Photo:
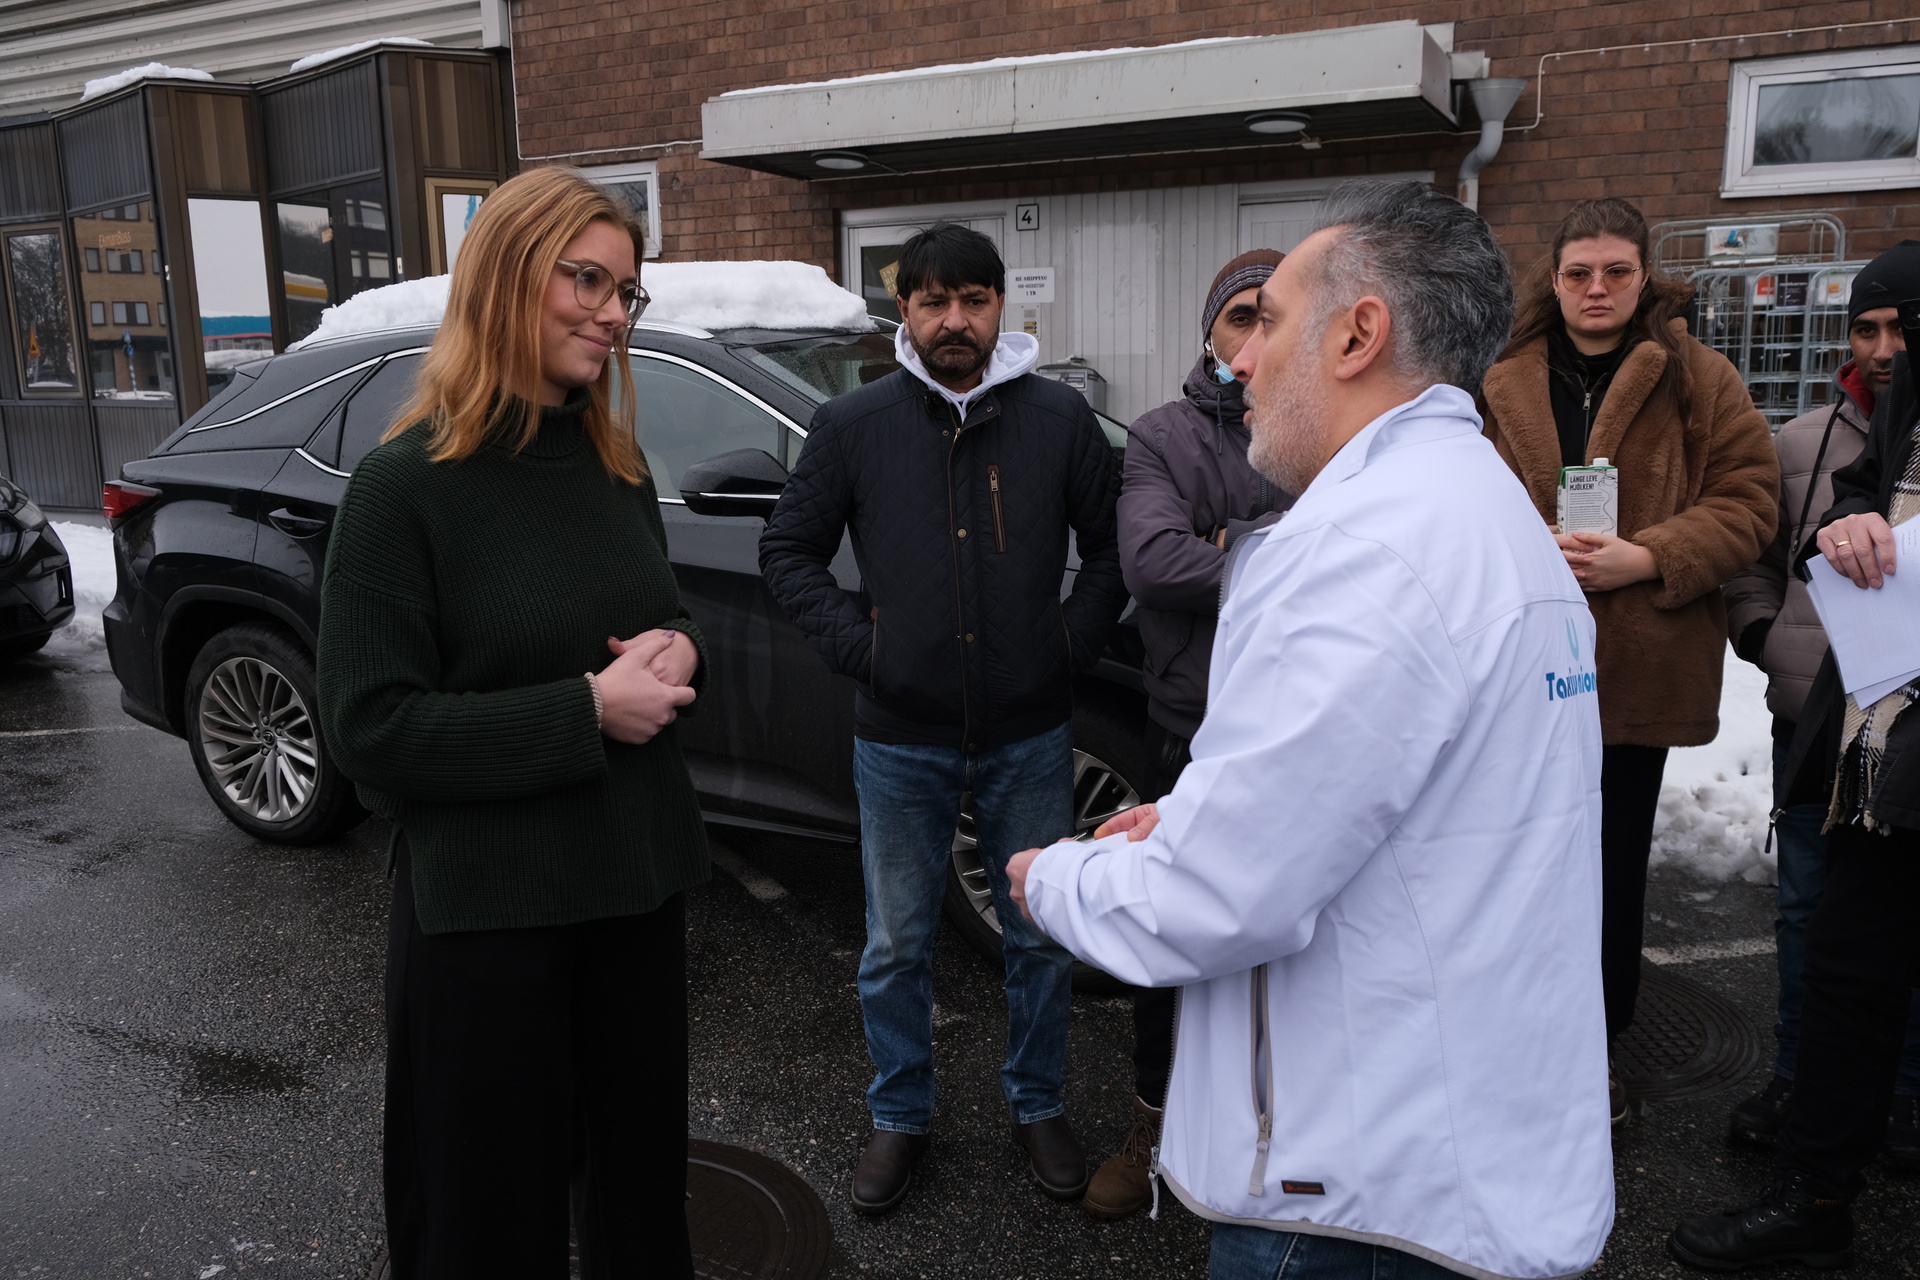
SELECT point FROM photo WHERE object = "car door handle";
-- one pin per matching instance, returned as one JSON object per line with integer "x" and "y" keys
{"x": 295, "y": 526}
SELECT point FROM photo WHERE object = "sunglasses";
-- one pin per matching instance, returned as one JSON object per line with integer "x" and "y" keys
{"x": 1615, "y": 278}
{"x": 593, "y": 284}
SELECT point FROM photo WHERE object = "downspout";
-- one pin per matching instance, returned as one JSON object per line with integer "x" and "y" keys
{"x": 1492, "y": 100}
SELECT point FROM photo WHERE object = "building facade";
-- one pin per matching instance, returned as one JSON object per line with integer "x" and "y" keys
{"x": 1775, "y": 145}
{"x": 156, "y": 235}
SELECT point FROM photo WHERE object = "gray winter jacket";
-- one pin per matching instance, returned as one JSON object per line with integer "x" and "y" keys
{"x": 1795, "y": 642}
{"x": 1186, "y": 478}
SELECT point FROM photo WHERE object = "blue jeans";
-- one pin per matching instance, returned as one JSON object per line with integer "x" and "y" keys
{"x": 1255, "y": 1253}
{"x": 909, "y": 807}
{"x": 1803, "y": 875}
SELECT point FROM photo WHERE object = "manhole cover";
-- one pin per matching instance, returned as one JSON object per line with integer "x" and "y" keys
{"x": 1685, "y": 1041}
{"x": 750, "y": 1218}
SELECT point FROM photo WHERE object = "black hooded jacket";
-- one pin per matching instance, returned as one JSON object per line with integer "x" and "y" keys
{"x": 1186, "y": 479}
{"x": 959, "y": 636}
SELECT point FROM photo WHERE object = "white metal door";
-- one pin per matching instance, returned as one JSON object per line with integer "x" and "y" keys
{"x": 873, "y": 256}
{"x": 1281, "y": 225}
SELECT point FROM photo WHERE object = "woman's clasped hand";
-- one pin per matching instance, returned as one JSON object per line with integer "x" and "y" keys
{"x": 646, "y": 684}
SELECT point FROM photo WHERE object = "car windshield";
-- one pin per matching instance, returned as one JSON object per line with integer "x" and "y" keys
{"x": 821, "y": 368}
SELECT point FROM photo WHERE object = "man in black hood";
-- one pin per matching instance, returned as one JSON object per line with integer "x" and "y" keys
{"x": 1188, "y": 493}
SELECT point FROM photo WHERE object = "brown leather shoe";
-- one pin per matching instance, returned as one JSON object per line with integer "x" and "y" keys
{"x": 1125, "y": 1182}
{"x": 886, "y": 1170}
{"x": 1059, "y": 1165}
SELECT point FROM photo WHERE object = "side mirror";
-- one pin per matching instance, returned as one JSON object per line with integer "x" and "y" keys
{"x": 745, "y": 482}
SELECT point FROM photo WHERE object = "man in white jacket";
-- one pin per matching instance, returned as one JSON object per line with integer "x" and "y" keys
{"x": 1378, "y": 883}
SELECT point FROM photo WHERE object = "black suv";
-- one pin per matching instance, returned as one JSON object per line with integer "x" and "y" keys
{"x": 221, "y": 534}
{"x": 36, "y": 581}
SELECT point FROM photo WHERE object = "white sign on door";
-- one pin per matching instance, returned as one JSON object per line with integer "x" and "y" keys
{"x": 1030, "y": 284}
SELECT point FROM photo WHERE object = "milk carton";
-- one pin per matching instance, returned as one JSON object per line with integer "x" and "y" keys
{"x": 1590, "y": 498}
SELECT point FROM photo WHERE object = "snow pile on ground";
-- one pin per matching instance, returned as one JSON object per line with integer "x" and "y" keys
{"x": 348, "y": 50}
{"x": 146, "y": 71}
{"x": 706, "y": 295}
{"x": 409, "y": 304}
{"x": 1715, "y": 799}
{"x": 90, "y": 549}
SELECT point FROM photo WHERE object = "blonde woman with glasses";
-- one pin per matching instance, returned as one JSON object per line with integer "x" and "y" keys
{"x": 1601, "y": 366}
{"x": 503, "y": 653}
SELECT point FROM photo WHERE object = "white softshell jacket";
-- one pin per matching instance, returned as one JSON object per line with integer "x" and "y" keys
{"x": 1378, "y": 883}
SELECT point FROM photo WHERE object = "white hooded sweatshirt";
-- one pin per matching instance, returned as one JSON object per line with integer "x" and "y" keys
{"x": 1379, "y": 880}
{"x": 1013, "y": 355}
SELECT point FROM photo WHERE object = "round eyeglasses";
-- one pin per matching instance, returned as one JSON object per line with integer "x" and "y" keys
{"x": 593, "y": 284}
{"x": 1615, "y": 277}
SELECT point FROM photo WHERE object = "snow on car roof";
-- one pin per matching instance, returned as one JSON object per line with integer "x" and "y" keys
{"x": 704, "y": 295}
{"x": 348, "y": 50}
{"x": 132, "y": 75}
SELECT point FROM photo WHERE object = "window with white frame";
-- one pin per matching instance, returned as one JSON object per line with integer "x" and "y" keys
{"x": 1847, "y": 121}
{"x": 638, "y": 187}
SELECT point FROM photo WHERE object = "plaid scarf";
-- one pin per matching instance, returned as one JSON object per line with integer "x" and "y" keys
{"x": 1863, "y": 734}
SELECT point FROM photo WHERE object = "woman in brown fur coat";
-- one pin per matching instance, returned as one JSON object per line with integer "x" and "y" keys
{"x": 1601, "y": 366}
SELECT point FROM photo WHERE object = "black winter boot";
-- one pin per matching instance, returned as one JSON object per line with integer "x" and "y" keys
{"x": 1800, "y": 1220}
{"x": 1760, "y": 1118}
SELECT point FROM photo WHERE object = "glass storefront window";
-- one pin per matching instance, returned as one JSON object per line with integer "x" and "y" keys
{"x": 42, "y": 316}
{"x": 230, "y": 278}
{"x": 333, "y": 244}
{"x": 127, "y": 353}
{"x": 369, "y": 248}
{"x": 306, "y": 265}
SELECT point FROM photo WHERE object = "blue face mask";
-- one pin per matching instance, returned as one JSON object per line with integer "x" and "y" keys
{"x": 1221, "y": 372}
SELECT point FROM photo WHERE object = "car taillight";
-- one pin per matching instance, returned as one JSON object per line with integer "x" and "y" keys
{"x": 118, "y": 498}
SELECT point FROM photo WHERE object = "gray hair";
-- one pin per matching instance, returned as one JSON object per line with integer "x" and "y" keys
{"x": 1436, "y": 265}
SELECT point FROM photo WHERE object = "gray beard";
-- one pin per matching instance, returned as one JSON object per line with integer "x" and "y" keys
{"x": 1288, "y": 423}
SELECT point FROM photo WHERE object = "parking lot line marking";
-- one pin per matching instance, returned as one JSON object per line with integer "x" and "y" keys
{"x": 49, "y": 733}
{"x": 762, "y": 887}
{"x": 1709, "y": 951}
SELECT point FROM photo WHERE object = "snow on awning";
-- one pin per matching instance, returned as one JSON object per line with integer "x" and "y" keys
{"x": 1384, "y": 78}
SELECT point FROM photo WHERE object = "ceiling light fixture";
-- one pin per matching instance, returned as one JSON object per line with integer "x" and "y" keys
{"x": 842, "y": 160}
{"x": 1278, "y": 122}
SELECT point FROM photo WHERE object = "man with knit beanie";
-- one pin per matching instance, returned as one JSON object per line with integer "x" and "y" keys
{"x": 1188, "y": 493}
{"x": 1772, "y": 624}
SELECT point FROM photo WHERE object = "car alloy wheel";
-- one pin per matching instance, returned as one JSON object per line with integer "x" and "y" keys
{"x": 258, "y": 739}
{"x": 1099, "y": 792}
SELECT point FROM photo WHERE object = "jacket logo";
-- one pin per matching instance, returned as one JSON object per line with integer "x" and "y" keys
{"x": 1573, "y": 682}
{"x": 1292, "y": 1188}
{"x": 1573, "y": 639}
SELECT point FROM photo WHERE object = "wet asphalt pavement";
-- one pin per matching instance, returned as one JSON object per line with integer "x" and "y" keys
{"x": 190, "y": 1044}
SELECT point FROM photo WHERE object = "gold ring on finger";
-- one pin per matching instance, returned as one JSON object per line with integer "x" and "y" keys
{"x": 1842, "y": 543}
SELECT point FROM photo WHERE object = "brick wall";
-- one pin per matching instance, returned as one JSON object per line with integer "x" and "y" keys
{"x": 626, "y": 77}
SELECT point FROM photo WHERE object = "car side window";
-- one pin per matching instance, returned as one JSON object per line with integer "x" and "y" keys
{"x": 686, "y": 417}
{"x": 373, "y": 406}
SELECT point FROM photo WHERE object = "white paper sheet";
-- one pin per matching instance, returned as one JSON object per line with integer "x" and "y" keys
{"x": 1875, "y": 633}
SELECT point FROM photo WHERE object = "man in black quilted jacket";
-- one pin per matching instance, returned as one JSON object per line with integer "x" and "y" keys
{"x": 959, "y": 477}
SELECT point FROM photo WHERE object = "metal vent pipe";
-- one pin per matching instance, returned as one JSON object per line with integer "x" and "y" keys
{"x": 1492, "y": 99}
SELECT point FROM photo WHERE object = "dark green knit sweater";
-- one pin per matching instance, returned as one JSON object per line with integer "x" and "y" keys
{"x": 462, "y": 605}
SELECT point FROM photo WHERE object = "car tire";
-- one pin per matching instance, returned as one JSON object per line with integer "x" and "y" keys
{"x": 254, "y": 733}
{"x": 1106, "y": 769}
{"x": 23, "y": 646}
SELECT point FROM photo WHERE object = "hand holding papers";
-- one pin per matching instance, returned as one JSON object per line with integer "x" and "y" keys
{"x": 1875, "y": 633}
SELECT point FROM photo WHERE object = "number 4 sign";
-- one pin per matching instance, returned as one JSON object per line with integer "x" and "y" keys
{"x": 1026, "y": 217}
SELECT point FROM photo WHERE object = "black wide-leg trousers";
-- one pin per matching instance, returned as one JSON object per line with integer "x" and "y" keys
{"x": 1863, "y": 961}
{"x": 530, "y": 1071}
{"x": 1629, "y": 804}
